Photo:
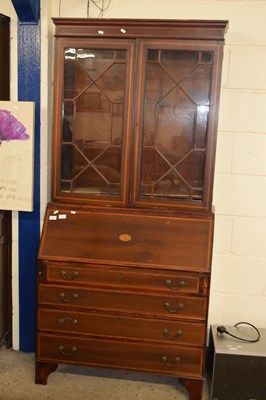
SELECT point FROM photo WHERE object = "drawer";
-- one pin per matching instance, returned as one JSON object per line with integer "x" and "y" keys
{"x": 106, "y": 325}
{"x": 166, "y": 359}
{"x": 132, "y": 278}
{"x": 124, "y": 302}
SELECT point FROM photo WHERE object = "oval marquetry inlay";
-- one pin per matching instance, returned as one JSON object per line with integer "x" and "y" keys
{"x": 125, "y": 237}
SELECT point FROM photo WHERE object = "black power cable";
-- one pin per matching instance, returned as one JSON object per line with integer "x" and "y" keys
{"x": 222, "y": 329}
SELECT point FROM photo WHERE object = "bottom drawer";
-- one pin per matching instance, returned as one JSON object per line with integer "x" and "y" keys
{"x": 165, "y": 359}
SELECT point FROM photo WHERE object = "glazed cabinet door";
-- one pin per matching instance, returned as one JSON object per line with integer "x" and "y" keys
{"x": 164, "y": 94}
{"x": 177, "y": 101}
{"x": 92, "y": 120}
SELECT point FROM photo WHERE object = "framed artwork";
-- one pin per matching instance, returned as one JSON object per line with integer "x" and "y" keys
{"x": 16, "y": 155}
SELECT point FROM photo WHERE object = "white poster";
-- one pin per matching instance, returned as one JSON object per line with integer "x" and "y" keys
{"x": 16, "y": 155}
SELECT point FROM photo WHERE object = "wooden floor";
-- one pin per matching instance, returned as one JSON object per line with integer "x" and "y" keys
{"x": 75, "y": 383}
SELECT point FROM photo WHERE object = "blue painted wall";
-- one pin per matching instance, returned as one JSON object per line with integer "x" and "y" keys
{"x": 29, "y": 222}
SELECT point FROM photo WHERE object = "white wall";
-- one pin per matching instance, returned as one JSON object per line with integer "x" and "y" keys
{"x": 238, "y": 290}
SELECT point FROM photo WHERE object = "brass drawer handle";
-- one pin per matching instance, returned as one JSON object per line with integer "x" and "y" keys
{"x": 73, "y": 349}
{"x": 180, "y": 285}
{"x": 166, "y": 333}
{"x": 63, "y": 319}
{"x": 75, "y": 274}
{"x": 174, "y": 310}
{"x": 165, "y": 361}
{"x": 63, "y": 298}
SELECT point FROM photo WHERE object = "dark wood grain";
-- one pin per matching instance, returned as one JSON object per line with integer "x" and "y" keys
{"x": 137, "y": 278}
{"x": 173, "y": 242}
{"x": 177, "y": 29}
{"x": 43, "y": 370}
{"x": 121, "y": 354}
{"x": 122, "y": 301}
{"x": 115, "y": 326}
{"x": 194, "y": 387}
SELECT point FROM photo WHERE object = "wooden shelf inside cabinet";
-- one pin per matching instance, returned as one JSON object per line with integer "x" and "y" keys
{"x": 124, "y": 261}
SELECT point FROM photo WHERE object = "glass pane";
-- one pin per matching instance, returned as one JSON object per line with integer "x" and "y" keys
{"x": 90, "y": 181}
{"x": 158, "y": 85}
{"x": 206, "y": 57}
{"x": 117, "y": 124}
{"x": 175, "y": 126}
{"x": 191, "y": 169}
{"x": 67, "y": 127}
{"x": 120, "y": 55}
{"x": 73, "y": 162}
{"x": 179, "y": 63}
{"x": 150, "y": 156}
{"x": 201, "y": 126}
{"x": 95, "y": 62}
{"x": 112, "y": 82}
{"x": 109, "y": 164}
{"x": 75, "y": 80}
{"x": 67, "y": 162}
{"x": 197, "y": 85}
{"x": 176, "y": 107}
{"x": 70, "y": 54}
{"x": 153, "y": 55}
{"x": 171, "y": 186}
{"x": 93, "y": 118}
{"x": 93, "y": 122}
{"x": 65, "y": 186}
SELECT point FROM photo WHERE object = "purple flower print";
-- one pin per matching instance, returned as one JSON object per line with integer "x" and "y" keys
{"x": 11, "y": 128}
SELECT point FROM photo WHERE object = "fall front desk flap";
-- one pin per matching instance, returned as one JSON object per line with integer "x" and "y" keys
{"x": 126, "y": 238}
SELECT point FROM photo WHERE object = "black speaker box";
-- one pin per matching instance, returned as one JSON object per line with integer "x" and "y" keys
{"x": 236, "y": 370}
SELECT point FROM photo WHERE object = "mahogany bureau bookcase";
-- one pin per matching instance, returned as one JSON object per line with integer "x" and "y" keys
{"x": 125, "y": 253}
